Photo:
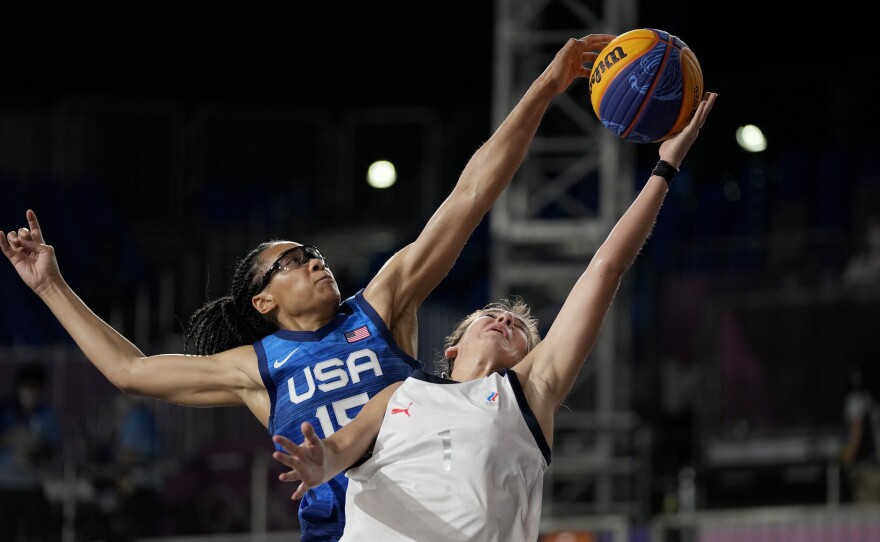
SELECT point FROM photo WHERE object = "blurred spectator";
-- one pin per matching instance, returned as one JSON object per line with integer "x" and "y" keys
{"x": 680, "y": 380}
{"x": 29, "y": 435}
{"x": 862, "y": 273}
{"x": 130, "y": 502}
{"x": 860, "y": 455}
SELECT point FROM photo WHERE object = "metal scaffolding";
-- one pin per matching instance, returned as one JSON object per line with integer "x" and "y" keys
{"x": 569, "y": 192}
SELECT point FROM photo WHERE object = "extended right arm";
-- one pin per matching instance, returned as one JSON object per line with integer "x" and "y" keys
{"x": 410, "y": 275}
{"x": 188, "y": 380}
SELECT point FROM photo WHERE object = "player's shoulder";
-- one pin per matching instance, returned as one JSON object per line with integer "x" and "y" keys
{"x": 244, "y": 354}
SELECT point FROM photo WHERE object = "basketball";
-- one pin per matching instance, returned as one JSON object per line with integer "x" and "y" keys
{"x": 645, "y": 85}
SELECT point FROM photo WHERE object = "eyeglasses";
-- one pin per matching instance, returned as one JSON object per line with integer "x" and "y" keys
{"x": 291, "y": 259}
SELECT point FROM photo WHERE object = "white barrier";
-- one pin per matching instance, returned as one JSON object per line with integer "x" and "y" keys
{"x": 772, "y": 524}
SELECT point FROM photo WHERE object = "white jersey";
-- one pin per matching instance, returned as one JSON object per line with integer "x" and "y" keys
{"x": 452, "y": 461}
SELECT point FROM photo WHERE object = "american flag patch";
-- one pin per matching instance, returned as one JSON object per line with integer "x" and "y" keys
{"x": 357, "y": 334}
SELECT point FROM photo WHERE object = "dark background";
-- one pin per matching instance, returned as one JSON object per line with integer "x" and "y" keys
{"x": 338, "y": 55}
{"x": 801, "y": 72}
{"x": 796, "y": 216}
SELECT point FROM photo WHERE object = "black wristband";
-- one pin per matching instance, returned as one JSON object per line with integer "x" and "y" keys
{"x": 665, "y": 170}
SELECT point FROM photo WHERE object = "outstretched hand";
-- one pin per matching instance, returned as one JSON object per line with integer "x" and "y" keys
{"x": 674, "y": 149}
{"x": 306, "y": 461}
{"x": 33, "y": 259}
{"x": 568, "y": 64}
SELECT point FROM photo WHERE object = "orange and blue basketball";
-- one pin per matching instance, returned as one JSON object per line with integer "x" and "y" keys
{"x": 645, "y": 85}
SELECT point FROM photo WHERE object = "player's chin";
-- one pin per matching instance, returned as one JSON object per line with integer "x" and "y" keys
{"x": 327, "y": 281}
{"x": 329, "y": 285}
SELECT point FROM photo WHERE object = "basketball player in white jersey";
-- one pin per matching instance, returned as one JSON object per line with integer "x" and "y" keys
{"x": 463, "y": 458}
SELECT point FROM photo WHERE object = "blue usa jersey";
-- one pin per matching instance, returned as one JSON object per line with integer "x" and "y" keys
{"x": 324, "y": 377}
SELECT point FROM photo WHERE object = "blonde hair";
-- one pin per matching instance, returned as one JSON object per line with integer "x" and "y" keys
{"x": 516, "y": 306}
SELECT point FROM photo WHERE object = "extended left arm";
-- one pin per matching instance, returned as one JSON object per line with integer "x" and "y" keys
{"x": 553, "y": 366}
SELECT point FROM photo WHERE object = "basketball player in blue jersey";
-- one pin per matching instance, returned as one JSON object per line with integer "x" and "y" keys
{"x": 282, "y": 342}
{"x": 463, "y": 458}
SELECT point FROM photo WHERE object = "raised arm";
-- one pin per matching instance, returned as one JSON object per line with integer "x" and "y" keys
{"x": 222, "y": 379}
{"x": 552, "y": 367}
{"x": 316, "y": 461}
{"x": 411, "y": 274}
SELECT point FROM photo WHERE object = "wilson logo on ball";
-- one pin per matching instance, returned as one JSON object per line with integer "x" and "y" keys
{"x": 645, "y": 85}
{"x": 604, "y": 63}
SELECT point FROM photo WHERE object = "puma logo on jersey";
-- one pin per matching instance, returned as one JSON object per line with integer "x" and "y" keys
{"x": 402, "y": 410}
{"x": 283, "y": 361}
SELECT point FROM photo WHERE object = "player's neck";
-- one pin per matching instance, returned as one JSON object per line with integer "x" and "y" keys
{"x": 473, "y": 369}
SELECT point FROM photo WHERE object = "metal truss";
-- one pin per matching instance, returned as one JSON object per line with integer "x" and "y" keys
{"x": 573, "y": 186}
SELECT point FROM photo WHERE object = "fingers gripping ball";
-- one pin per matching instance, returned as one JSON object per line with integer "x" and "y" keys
{"x": 645, "y": 85}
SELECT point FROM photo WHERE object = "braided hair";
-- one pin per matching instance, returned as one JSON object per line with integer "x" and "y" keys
{"x": 231, "y": 321}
